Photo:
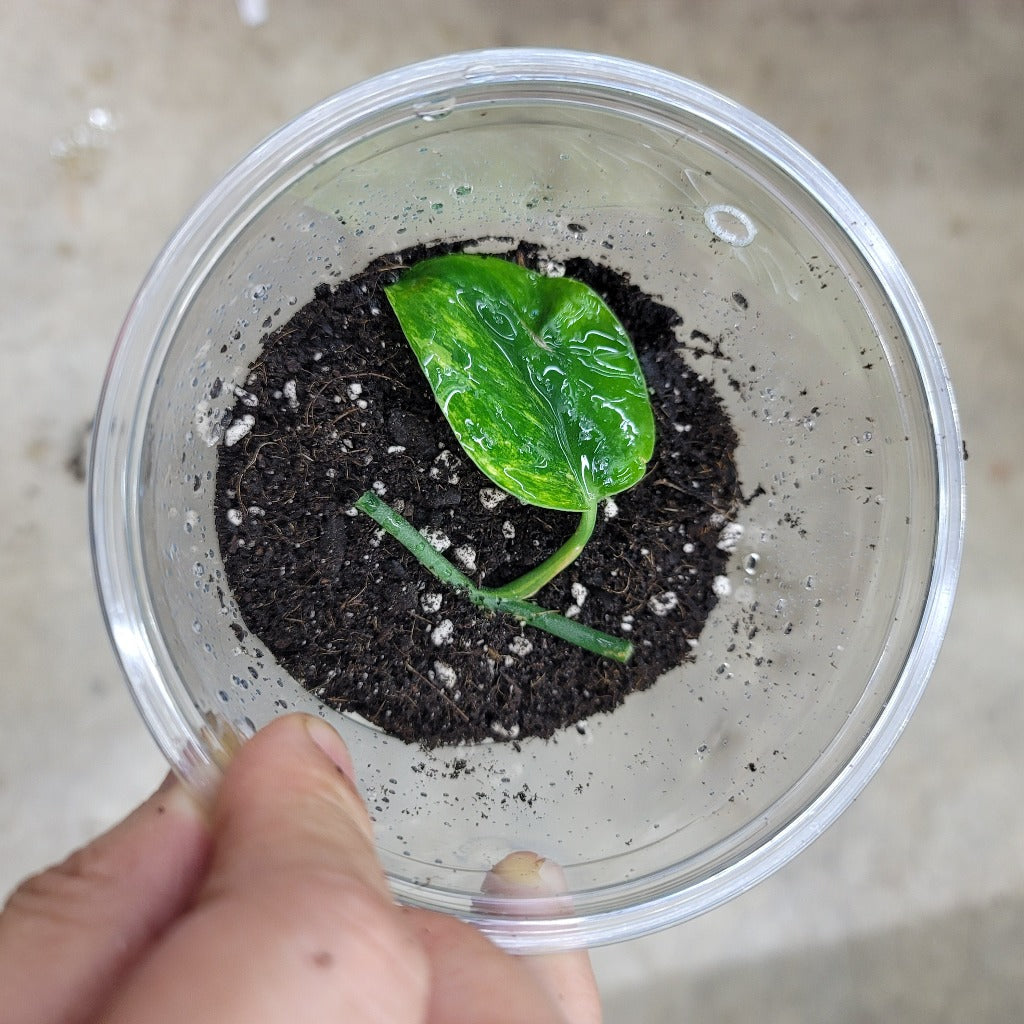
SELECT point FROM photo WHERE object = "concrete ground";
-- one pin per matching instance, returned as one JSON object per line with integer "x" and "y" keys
{"x": 118, "y": 116}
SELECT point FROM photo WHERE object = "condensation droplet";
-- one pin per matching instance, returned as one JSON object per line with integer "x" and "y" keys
{"x": 480, "y": 73}
{"x": 730, "y": 224}
{"x": 435, "y": 107}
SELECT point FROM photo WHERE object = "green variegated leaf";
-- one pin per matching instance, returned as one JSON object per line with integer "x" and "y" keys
{"x": 536, "y": 376}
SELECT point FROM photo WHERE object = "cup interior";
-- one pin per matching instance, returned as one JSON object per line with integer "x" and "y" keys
{"x": 839, "y": 585}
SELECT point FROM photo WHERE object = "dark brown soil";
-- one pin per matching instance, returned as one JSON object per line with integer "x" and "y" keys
{"x": 339, "y": 406}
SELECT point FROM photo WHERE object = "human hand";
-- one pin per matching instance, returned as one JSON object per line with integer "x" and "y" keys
{"x": 271, "y": 909}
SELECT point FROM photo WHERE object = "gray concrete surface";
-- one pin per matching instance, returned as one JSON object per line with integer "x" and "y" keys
{"x": 117, "y": 117}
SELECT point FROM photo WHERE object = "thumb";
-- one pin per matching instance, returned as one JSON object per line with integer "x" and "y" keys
{"x": 294, "y": 912}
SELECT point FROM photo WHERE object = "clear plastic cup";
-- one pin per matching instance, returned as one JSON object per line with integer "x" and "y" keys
{"x": 839, "y": 588}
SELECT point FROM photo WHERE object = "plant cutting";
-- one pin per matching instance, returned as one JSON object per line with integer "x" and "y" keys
{"x": 543, "y": 390}
{"x": 411, "y": 566}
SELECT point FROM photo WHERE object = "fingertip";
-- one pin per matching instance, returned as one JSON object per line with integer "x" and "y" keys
{"x": 289, "y": 798}
{"x": 524, "y": 884}
{"x": 295, "y": 750}
{"x": 524, "y": 874}
{"x": 326, "y": 738}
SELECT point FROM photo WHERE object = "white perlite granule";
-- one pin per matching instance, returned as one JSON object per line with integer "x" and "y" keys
{"x": 234, "y": 516}
{"x": 520, "y": 646}
{"x": 247, "y": 398}
{"x": 721, "y": 586}
{"x": 437, "y": 539}
{"x": 492, "y": 497}
{"x": 442, "y": 633}
{"x": 431, "y": 602}
{"x": 579, "y": 595}
{"x": 446, "y": 465}
{"x": 465, "y": 555}
{"x": 445, "y": 674}
{"x": 662, "y": 604}
{"x": 207, "y": 422}
{"x": 290, "y": 391}
{"x": 611, "y": 509}
{"x": 506, "y": 734}
{"x": 508, "y": 530}
{"x": 354, "y": 390}
{"x": 239, "y": 429}
{"x": 730, "y": 536}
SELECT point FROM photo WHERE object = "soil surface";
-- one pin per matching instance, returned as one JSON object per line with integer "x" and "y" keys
{"x": 336, "y": 405}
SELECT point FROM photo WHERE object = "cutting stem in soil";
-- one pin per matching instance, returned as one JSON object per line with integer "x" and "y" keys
{"x": 501, "y": 600}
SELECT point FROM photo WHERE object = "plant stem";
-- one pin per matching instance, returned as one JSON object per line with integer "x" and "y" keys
{"x": 529, "y": 583}
{"x": 574, "y": 632}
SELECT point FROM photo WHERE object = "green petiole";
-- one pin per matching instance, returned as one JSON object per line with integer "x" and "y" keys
{"x": 505, "y": 600}
{"x": 529, "y": 583}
